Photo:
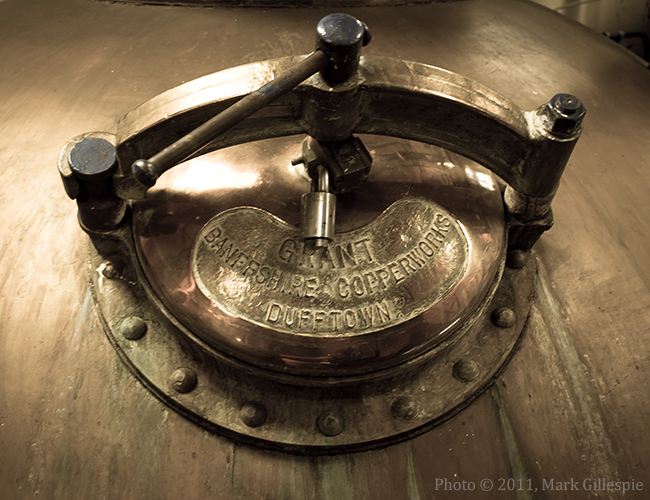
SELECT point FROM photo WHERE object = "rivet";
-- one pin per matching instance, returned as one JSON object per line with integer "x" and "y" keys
{"x": 404, "y": 408}
{"x": 253, "y": 414}
{"x": 504, "y": 317}
{"x": 465, "y": 370}
{"x": 113, "y": 268}
{"x": 516, "y": 259}
{"x": 330, "y": 424}
{"x": 133, "y": 328}
{"x": 183, "y": 380}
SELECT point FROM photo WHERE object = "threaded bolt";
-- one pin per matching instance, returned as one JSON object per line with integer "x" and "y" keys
{"x": 562, "y": 115}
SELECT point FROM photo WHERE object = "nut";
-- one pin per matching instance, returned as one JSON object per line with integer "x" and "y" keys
{"x": 562, "y": 116}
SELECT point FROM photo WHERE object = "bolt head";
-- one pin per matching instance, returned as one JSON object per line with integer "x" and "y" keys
{"x": 133, "y": 328}
{"x": 517, "y": 259}
{"x": 253, "y": 414}
{"x": 113, "y": 268}
{"x": 504, "y": 317}
{"x": 562, "y": 116}
{"x": 93, "y": 159}
{"x": 330, "y": 424}
{"x": 404, "y": 408}
{"x": 183, "y": 380}
{"x": 465, "y": 370}
{"x": 341, "y": 30}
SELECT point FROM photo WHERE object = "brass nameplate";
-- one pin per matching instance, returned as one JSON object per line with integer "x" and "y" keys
{"x": 254, "y": 266}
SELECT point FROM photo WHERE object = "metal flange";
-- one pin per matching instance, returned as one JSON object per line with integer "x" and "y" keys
{"x": 296, "y": 413}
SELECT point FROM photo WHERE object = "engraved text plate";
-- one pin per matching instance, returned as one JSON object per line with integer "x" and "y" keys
{"x": 254, "y": 266}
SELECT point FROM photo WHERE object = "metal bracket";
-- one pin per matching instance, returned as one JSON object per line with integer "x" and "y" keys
{"x": 527, "y": 149}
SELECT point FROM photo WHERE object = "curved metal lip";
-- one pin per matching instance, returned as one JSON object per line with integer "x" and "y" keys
{"x": 419, "y": 87}
{"x": 167, "y": 223}
{"x": 376, "y": 72}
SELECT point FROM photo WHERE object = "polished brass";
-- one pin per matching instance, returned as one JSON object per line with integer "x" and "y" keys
{"x": 309, "y": 302}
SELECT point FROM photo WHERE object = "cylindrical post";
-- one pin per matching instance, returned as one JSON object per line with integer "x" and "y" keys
{"x": 318, "y": 210}
{"x": 86, "y": 165}
{"x": 341, "y": 37}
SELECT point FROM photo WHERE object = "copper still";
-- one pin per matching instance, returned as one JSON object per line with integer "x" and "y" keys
{"x": 406, "y": 265}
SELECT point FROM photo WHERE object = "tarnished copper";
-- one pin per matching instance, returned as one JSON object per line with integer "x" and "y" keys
{"x": 245, "y": 283}
{"x": 302, "y": 412}
{"x": 74, "y": 421}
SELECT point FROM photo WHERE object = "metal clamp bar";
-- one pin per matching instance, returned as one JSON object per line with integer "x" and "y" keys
{"x": 148, "y": 171}
{"x": 527, "y": 149}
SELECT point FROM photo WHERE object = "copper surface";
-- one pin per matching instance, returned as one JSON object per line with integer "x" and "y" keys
{"x": 572, "y": 402}
{"x": 302, "y": 413}
{"x": 168, "y": 222}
